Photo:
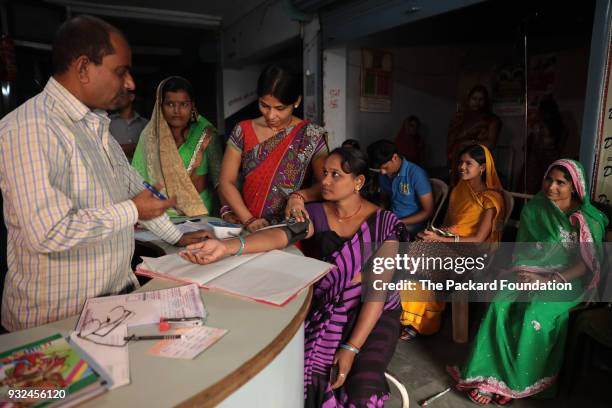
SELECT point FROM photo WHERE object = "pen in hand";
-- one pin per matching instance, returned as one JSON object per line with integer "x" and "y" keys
{"x": 155, "y": 192}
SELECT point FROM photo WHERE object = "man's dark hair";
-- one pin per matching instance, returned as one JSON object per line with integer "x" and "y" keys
{"x": 381, "y": 152}
{"x": 82, "y": 35}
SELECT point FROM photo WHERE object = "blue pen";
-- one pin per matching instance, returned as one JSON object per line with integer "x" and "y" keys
{"x": 154, "y": 191}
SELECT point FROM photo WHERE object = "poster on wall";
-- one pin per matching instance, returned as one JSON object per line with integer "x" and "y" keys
{"x": 602, "y": 177}
{"x": 376, "y": 66}
{"x": 508, "y": 90}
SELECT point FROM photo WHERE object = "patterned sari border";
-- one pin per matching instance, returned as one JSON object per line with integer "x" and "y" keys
{"x": 494, "y": 385}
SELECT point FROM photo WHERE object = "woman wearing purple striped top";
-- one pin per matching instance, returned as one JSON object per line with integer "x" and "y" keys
{"x": 346, "y": 329}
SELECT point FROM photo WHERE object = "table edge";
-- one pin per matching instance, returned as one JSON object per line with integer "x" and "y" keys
{"x": 214, "y": 394}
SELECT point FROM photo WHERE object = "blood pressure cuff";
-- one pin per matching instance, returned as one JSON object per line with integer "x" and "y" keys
{"x": 295, "y": 231}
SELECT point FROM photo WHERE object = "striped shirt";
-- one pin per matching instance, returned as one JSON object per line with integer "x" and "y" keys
{"x": 67, "y": 187}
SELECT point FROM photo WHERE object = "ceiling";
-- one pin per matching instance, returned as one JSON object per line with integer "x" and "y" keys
{"x": 497, "y": 21}
{"x": 229, "y": 10}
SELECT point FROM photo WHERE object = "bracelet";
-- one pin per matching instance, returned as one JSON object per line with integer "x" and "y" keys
{"x": 222, "y": 216}
{"x": 561, "y": 276}
{"x": 249, "y": 221}
{"x": 349, "y": 348}
{"x": 298, "y": 195}
{"x": 224, "y": 210}
{"x": 242, "y": 245}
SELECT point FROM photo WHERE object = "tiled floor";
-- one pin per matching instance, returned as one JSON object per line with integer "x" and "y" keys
{"x": 420, "y": 366}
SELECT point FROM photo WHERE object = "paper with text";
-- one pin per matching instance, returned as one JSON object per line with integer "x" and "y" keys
{"x": 176, "y": 267}
{"x": 194, "y": 341}
{"x": 113, "y": 363}
{"x": 146, "y": 307}
{"x": 271, "y": 277}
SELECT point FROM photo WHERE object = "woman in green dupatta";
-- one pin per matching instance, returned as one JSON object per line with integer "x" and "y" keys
{"x": 519, "y": 348}
{"x": 180, "y": 150}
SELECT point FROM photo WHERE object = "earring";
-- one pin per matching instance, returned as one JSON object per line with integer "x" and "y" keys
{"x": 295, "y": 106}
{"x": 194, "y": 116}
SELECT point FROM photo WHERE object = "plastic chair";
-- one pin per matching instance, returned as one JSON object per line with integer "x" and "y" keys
{"x": 508, "y": 206}
{"x": 401, "y": 389}
{"x": 460, "y": 305}
{"x": 440, "y": 191}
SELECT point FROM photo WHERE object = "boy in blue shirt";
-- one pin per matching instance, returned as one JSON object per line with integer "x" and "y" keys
{"x": 406, "y": 183}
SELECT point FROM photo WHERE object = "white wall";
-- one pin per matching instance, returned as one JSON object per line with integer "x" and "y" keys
{"x": 265, "y": 28}
{"x": 335, "y": 118}
{"x": 312, "y": 71}
{"x": 429, "y": 82}
{"x": 239, "y": 88}
{"x": 420, "y": 87}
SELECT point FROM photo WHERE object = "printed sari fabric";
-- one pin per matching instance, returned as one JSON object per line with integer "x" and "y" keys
{"x": 335, "y": 309}
{"x": 158, "y": 160}
{"x": 465, "y": 210}
{"x": 473, "y": 128}
{"x": 276, "y": 167}
{"x": 519, "y": 348}
{"x": 466, "y": 205}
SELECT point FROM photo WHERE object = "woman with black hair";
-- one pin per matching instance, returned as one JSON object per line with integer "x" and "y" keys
{"x": 473, "y": 124}
{"x": 475, "y": 215}
{"x": 519, "y": 349}
{"x": 350, "y": 332}
{"x": 180, "y": 149}
{"x": 276, "y": 155}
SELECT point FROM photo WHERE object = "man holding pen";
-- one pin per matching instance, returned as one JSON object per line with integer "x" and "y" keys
{"x": 71, "y": 198}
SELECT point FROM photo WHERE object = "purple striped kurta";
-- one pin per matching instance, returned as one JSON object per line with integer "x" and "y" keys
{"x": 335, "y": 309}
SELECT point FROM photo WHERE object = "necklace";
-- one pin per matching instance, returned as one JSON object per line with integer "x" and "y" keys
{"x": 279, "y": 129}
{"x": 342, "y": 219}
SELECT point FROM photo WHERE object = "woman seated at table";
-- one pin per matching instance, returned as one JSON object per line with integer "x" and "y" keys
{"x": 341, "y": 329}
{"x": 276, "y": 155}
{"x": 520, "y": 345}
{"x": 475, "y": 214}
{"x": 180, "y": 149}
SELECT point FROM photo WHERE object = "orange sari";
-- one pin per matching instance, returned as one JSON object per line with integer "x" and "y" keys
{"x": 465, "y": 210}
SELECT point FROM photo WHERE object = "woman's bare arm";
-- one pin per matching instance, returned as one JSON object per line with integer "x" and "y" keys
{"x": 228, "y": 191}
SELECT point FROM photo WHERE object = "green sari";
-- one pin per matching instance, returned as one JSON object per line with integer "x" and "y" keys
{"x": 159, "y": 161}
{"x": 519, "y": 348}
{"x": 211, "y": 161}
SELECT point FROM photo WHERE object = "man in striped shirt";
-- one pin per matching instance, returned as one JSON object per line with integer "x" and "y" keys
{"x": 71, "y": 199}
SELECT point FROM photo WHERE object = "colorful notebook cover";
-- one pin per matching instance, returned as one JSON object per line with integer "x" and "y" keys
{"x": 47, "y": 364}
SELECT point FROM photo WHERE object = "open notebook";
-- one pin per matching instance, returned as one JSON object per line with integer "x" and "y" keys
{"x": 273, "y": 277}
